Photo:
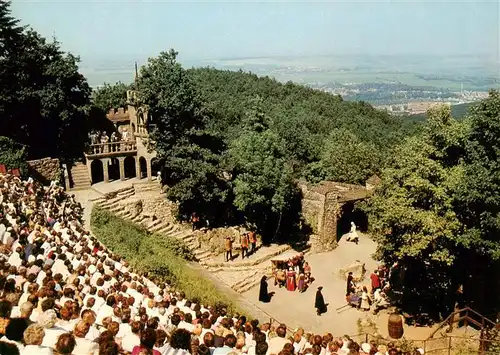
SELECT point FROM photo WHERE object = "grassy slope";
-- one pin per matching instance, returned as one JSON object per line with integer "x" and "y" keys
{"x": 156, "y": 255}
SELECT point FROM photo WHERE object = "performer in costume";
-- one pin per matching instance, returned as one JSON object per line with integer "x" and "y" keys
{"x": 263, "y": 293}
{"x": 320, "y": 304}
{"x": 290, "y": 280}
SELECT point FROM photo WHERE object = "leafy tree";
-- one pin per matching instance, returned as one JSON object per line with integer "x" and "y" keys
{"x": 412, "y": 213}
{"x": 263, "y": 184}
{"x": 302, "y": 117}
{"x": 110, "y": 96}
{"x": 345, "y": 158}
{"x": 478, "y": 206}
{"x": 13, "y": 155}
{"x": 176, "y": 123}
{"x": 43, "y": 97}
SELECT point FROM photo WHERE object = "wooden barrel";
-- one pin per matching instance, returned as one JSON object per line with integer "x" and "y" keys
{"x": 395, "y": 326}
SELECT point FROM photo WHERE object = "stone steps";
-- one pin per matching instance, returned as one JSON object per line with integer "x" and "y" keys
{"x": 153, "y": 224}
{"x": 159, "y": 226}
{"x": 113, "y": 203}
{"x": 247, "y": 283}
{"x": 124, "y": 214}
{"x": 80, "y": 176}
{"x": 252, "y": 262}
{"x": 232, "y": 267}
{"x": 144, "y": 187}
{"x": 116, "y": 208}
{"x": 169, "y": 227}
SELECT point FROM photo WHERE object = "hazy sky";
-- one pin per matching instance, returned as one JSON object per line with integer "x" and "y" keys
{"x": 108, "y": 29}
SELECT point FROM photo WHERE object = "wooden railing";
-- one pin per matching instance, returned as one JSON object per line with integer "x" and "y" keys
{"x": 112, "y": 148}
{"x": 467, "y": 316}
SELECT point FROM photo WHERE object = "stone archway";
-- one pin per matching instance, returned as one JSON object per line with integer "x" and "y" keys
{"x": 129, "y": 167}
{"x": 347, "y": 214}
{"x": 114, "y": 169}
{"x": 97, "y": 171}
{"x": 155, "y": 167}
{"x": 143, "y": 168}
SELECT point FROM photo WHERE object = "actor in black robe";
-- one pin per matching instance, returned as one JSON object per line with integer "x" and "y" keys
{"x": 263, "y": 294}
{"x": 320, "y": 304}
{"x": 350, "y": 285}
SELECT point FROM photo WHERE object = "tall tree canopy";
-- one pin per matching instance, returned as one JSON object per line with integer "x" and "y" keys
{"x": 110, "y": 96}
{"x": 263, "y": 181}
{"x": 188, "y": 153}
{"x": 436, "y": 211}
{"x": 43, "y": 97}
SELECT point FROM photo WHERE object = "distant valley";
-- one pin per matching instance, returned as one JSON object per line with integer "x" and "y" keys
{"x": 402, "y": 84}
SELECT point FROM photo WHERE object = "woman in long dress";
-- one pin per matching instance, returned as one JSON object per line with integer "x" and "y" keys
{"x": 290, "y": 280}
{"x": 302, "y": 283}
{"x": 365, "y": 300}
{"x": 263, "y": 293}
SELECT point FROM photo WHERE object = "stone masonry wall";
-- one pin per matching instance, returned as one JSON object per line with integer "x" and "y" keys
{"x": 312, "y": 208}
{"x": 158, "y": 206}
{"x": 45, "y": 170}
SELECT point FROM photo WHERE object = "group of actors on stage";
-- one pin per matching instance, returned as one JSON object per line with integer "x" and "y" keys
{"x": 294, "y": 274}
{"x": 362, "y": 298}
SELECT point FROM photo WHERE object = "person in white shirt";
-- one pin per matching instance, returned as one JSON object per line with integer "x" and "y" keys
{"x": 106, "y": 310}
{"x": 83, "y": 346}
{"x": 33, "y": 338}
{"x": 48, "y": 320}
{"x": 132, "y": 339}
{"x": 277, "y": 343}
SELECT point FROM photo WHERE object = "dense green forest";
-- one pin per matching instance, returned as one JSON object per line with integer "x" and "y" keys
{"x": 311, "y": 123}
{"x": 240, "y": 142}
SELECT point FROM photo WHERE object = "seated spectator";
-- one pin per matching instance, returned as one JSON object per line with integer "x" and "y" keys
{"x": 65, "y": 344}
{"x": 33, "y": 338}
{"x": 147, "y": 342}
{"x": 14, "y": 332}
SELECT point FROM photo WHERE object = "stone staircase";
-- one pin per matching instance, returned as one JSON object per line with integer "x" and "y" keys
{"x": 115, "y": 203}
{"x": 241, "y": 275}
{"x": 80, "y": 176}
{"x": 250, "y": 281}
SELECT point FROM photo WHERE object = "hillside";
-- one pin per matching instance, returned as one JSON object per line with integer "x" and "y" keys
{"x": 309, "y": 121}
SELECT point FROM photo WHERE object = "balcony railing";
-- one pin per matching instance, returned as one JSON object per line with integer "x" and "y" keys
{"x": 112, "y": 148}
{"x": 141, "y": 131}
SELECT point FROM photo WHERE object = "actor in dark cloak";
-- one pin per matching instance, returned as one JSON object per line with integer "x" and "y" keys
{"x": 263, "y": 294}
{"x": 320, "y": 304}
{"x": 350, "y": 285}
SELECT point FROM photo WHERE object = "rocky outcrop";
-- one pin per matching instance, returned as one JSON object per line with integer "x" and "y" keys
{"x": 358, "y": 271}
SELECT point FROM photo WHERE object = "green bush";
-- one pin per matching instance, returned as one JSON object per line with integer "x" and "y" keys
{"x": 13, "y": 155}
{"x": 164, "y": 259}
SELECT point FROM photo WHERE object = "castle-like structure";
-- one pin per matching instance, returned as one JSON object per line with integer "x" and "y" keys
{"x": 126, "y": 157}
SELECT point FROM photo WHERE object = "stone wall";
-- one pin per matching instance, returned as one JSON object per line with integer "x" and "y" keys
{"x": 45, "y": 170}
{"x": 157, "y": 206}
{"x": 321, "y": 206}
{"x": 312, "y": 208}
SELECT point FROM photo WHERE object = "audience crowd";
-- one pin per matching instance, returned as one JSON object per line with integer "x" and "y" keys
{"x": 62, "y": 292}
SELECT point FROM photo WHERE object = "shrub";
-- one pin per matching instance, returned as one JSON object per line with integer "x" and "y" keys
{"x": 13, "y": 155}
{"x": 164, "y": 259}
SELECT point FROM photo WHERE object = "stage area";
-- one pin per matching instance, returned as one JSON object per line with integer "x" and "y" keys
{"x": 297, "y": 309}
